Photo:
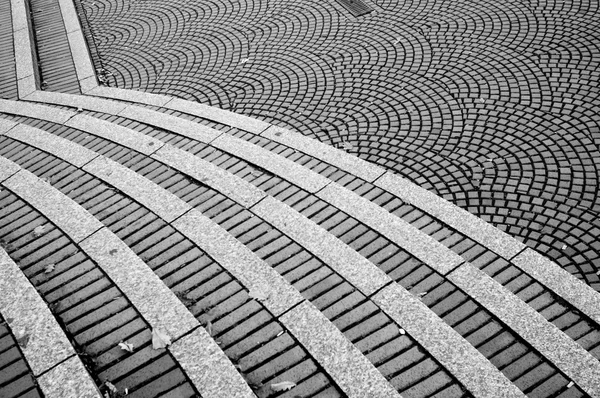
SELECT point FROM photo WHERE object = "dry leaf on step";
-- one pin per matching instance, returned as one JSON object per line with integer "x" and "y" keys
{"x": 160, "y": 339}
{"x": 125, "y": 346}
{"x": 283, "y": 386}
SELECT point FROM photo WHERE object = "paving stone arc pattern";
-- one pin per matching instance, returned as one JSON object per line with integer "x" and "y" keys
{"x": 493, "y": 106}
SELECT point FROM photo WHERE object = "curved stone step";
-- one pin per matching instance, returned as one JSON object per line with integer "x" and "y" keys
{"x": 579, "y": 295}
{"x": 157, "y": 304}
{"x": 227, "y": 251}
{"x": 49, "y": 353}
{"x": 583, "y": 298}
{"x": 130, "y": 183}
{"x": 139, "y": 283}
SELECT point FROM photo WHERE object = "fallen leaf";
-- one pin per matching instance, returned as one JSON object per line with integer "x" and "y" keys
{"x": 39, "y": 231}
{"x": 49, "y": 268}
{"x": 347, "y": 146}
{"x": 110, "y": 386}
{"x": 125, "y": 346}
{"x": 160, "y": 339}
{"x": 23, "y": 340}
{"x": 209, "y": 327}
{"x": 283, "y": 386}
{"x": 258, "y": 294}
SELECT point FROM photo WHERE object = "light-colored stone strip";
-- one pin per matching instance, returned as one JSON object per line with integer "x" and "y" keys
{"x": 148, "y": 294}
{"x": 24, "y": 52}
{"x": 326, "y": 153}
{"x": 6, "y": 125}
{"x": 80, "y": 55}
{"x": 77, "y": 101}
{"x": 47, "y": 345}
{"x": 463, "y": 221}
{"x": 342, "y": 361}
{"x": 23, "y": 55}
{"x": 278, "y": 165}
{"x": 69, "y": 15}
{"x": 463, "y": 360}
{"x": 221, "y": 180}
{"x": 214, "y": 376}
{"x": 157, "y": 304}
{"x": 68, "y": 380}
{"x": 7, "y": 169}
{"x": 113, "y": 132}
{"x": 245, "y": 266}
{"x": 222, "y": 116}
{"x": 62, "y": 211}
{"x": 565, "y": 285}
{"x": 557, "y": 347}
{"x": 130, "y": 95}
{"x": 162, "y": 202}
{"x": 409, "y": 238}
{"x": 20, "y": 19}
{"x": 353, "y": 267}
{"x": 467, "y": 364}
{"x": 59, "y": 116}
{"x": 60, "y": 147}
{"x": 184, "y": 127}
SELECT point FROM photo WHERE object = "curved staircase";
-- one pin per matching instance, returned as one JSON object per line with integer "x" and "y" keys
{"x": 152, "y": 246}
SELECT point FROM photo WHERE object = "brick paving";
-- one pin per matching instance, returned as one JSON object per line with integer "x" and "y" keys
{"x": 267, "y": 256}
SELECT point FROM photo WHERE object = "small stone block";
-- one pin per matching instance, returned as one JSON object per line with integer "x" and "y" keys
{"x": 60, "y": 147}
{"x": 26, "y": 86}
{"x": 172, "y": 123}
{"x": 131, "y": 96}
{"x": 344, "y": 363}
{"x": 419, "y": 244}
{"x": 465, "y": 222}
{"x": 69, "y": 380}
{"x": 240, "y": 261}
{"x": 78, "y": 101}
{"x": 47, "y": 344}
{"x": 19, "y": 15}
{"x": 23, "y": 55}
{"x": 278, "y": 165}
{"x": 69, "y": 15}
{"x": 345, "y": 161}
{"x": 21, "y": 108}
{"x": 81, "y": 55}
{"x": 222, "y": 116}
{"x": 569, "y": 288}
{"x": 571, "y": 358}
{"x": 459, "y": 357}
{"x": 208, "y": 367}
{"x": 149, "y": 295}
{"x": 67, "y": 215}
{"x": 7, "y": 168}
{"x": 359, "y": 271}
{"x": 88, "y": 84}
{"x": 160, "y": 201}
{"x": 6, "y": 125}
{"x": 228, "y": 184}
{"x": 113, "y": 132}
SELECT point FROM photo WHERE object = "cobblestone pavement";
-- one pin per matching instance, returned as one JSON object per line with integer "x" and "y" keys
{"x": 491, "y": 105}
{"x": 152, "y": 246}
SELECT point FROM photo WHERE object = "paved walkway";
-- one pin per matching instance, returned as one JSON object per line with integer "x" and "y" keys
{"x": 153, "y": 246}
